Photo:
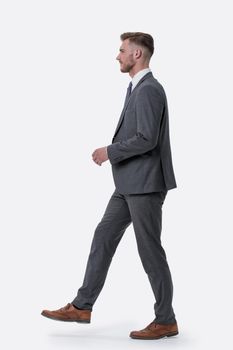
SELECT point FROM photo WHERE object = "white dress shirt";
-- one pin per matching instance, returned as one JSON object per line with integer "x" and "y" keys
{"x": 137, "y": 77}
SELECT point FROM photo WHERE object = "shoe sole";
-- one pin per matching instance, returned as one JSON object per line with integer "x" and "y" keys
{"x": 58, "y": 319}
{"x": 153, "y": 338}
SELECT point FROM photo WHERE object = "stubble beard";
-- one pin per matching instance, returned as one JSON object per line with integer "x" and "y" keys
{"x": 127, "y": 68}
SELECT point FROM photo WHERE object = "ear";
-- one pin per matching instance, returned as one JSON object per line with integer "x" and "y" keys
{"x": 138, "y": 53}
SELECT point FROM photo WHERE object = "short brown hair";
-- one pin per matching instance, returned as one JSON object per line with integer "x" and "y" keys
{"x": 139, "y": 38}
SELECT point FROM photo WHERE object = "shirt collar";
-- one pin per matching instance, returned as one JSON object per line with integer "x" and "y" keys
{"x": 137, "y": 77}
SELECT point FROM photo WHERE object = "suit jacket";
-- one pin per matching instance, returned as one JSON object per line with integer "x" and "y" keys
{"x": 140, "y": 153}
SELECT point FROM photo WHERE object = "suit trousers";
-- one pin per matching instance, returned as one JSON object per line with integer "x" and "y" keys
{"x": 144, "y": 211}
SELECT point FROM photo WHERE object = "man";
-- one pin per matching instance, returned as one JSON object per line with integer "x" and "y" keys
{"x": 141, "y": 161}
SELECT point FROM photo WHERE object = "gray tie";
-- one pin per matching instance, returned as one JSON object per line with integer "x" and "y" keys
{"x": 129, "y": 90}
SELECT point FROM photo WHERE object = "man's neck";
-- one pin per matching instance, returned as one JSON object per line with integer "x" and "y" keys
{"x": 135, "y": 70}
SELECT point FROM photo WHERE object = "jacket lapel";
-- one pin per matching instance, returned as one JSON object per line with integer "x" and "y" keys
{"x": 149, "y": 74}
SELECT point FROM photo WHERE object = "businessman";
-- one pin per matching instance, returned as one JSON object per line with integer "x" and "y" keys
{"x": 141, "y": 160}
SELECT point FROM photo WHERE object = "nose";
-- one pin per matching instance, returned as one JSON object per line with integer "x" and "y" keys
{"x": 117, "y": 58}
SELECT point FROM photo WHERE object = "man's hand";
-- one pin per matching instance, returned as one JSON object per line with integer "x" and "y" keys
{"x": 100, "y": 155}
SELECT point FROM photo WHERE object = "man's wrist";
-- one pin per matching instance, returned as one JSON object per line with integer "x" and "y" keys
{"x": 106, "y": 150}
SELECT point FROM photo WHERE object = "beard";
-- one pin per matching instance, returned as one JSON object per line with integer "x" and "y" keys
{"x": 126, "y": 68}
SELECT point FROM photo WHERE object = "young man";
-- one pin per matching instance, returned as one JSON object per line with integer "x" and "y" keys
{"x": 142, "y": 168}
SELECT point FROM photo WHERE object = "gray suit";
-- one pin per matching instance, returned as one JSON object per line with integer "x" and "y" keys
{"x": 140, "y": 154}
{"x": 142, "y": 169}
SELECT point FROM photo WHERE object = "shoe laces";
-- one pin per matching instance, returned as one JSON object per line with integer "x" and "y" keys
{"x": 151, "y": 326}
{"x": 65, "y": 307}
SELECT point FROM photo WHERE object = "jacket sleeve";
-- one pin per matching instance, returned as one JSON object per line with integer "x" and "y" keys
{"x": 149, "y": 110}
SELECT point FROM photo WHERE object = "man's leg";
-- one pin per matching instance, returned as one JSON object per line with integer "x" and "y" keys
{"x": 146, "y": 214}
{"x": 107, "y": 236}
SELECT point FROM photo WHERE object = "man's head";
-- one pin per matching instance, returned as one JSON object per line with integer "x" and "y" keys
{"x": 135, "y": 52}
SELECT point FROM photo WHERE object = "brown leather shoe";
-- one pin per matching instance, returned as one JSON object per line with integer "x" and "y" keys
{"x": 68, "y": 313}
{"x": 155, "y": 331}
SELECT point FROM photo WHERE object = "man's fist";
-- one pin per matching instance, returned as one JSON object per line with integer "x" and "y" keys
{"x": 100, "y": 155}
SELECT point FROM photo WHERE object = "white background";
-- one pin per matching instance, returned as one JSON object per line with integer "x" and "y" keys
{"x": 61, "y": 96}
